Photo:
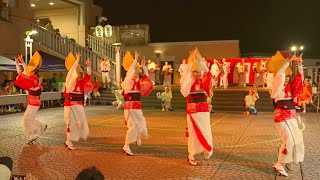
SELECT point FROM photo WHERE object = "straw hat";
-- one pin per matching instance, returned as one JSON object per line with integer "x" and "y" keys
{"x": 127, "y": 62}
{"x": 70, "y": 60}
{"x": 196, "y": 66}
{"x": 34, "y": 63}
{"x": 274, "y": 64}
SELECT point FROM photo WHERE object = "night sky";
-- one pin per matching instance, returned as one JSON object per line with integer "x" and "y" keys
{"x": 262, "y": 26}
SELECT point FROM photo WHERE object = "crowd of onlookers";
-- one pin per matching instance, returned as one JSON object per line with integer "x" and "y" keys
{"x": 7, "y": 87}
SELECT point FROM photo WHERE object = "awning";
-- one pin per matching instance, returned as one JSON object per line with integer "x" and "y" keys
{"x": 49, "y": 63}
{"x": 7, "y": 64}
{"x": 52, "y": 63}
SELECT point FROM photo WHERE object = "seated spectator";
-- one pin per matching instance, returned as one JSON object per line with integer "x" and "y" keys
{"x": 119, "y": 103}
{"x": 96, "y": 87}
{"x": 165, "y": 98}
{"x": 306, "y": 96}
{"x": 91, "y": 173}
{"x": 250, "y": 101}
{"x": 6, "y": 164}
{"x": 59, "y": 82}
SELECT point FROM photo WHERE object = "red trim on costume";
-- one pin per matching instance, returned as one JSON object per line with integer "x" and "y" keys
{"x": 200, "y": 137}
{"x": 281, "y": 115}
{"x": 146, "y": 86}
{"x": 285, "y": 151}
{"x": 132, "y": 105}
{"x": 197, "y": 107}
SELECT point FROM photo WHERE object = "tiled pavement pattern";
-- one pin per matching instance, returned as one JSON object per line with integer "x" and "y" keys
{"x": 245, "y": 147}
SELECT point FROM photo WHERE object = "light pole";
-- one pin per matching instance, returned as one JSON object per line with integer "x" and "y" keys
{"x": 28, "y": 44}
{"x": 158, "y": 53}
{"x": 118, "y": 63}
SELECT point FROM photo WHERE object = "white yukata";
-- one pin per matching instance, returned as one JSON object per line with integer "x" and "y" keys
{"x": 215, "y": 71}
{"x": 134, "y": 119}
{"x": 198, "y": 112}
{"x": 292, "y": 148}
{"x": 74, "y": 115}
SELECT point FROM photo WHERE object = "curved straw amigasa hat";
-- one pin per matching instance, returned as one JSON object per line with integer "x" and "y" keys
{"x": 127, "y": 62}
{"x": 34, "y": 63}
{"x": 70, "y": 60}
{"x": 196, "y": 66}
{"x": 274, "y": 64}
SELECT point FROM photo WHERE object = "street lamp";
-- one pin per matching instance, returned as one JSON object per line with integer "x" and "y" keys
{"x": 28, "y": 44}
{"x": 296, "y": 49}
{"x": 118, "y": 63}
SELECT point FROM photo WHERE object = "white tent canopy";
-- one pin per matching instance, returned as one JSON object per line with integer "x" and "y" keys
{"x": 7, "y": 64}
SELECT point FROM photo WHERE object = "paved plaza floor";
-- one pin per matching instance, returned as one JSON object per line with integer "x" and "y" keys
{"x": 245, "y": 147}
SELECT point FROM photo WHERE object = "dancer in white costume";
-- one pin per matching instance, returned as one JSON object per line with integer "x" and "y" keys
{"x": 134, "y": 87}
{"x": 28, "y": 81}
{"x": 152, "y": 69}
{"x": 215, "y": 71}
{"x": 105, "y": 70}
{"x": 226, "y": 71}
{"x": 284, "y": 95}
{"x": 167, "y": 73}
{"x": 195, "y": 86}
{"x": 74, "y": 116}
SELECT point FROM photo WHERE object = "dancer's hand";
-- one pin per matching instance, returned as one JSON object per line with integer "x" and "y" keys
{"x": 78, "y": 56}
{"x": 16, "y": 60}
{"x": 136, "y": 55}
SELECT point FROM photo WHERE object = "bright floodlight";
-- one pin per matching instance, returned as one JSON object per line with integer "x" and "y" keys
{"x": 157, "y": 51}
{"x": 33, "y": 5}
{"x": 116, "y": 44}
{"x": 33, "y": 32}
{"x": 301, "y": 48}
{"x": 51, "y": 3}
{"x": 293, "y": 48}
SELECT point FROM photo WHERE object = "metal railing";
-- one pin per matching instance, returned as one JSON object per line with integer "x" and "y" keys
{"x": 4, "y": 13}
{"x": 101, "y": 47}
{"x": 63, "y": 46}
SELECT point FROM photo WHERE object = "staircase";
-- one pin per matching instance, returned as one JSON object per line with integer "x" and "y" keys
{"x": 106, "y": 98}
{"x": 62, "y": 46}
{"x": 233, "y": 100}
{"x": 222, "y": 100}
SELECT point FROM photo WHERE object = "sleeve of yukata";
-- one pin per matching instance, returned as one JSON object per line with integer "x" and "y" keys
{"x": 186, "y": 81}
{"x": 128, "y": 82}
{"x": 278, "y": 81}
{"x": 71, "y": 78}
{"x": 297, "y": 83}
